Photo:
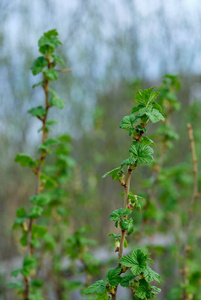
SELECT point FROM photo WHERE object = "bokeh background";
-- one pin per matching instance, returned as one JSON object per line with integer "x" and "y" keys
{"x": 113, "y": 48}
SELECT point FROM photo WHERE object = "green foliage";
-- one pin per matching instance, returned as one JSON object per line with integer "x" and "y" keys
{"x": 44, "y": 225}
{"x": 136, "y": 261}
{"x": 146, "y": 97}
{"x": 38, "y": 65}
{"x": 58, "y": 102}
{"x": 140, "y": 154}
{"x": 113, "y": 276}
{"x": 24, "y": 160}
{"x": 38, "y": 111}
{"x": 97, "y": 288}
{"x": 121, "y": 212}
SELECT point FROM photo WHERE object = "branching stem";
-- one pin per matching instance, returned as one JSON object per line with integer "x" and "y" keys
{"x": 37, "y": 171}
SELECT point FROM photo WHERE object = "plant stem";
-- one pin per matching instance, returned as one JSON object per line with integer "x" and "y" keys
{"x": 37, "y": 172}
{"x": 195, "y": 196}
{"x": 127, "y": 189}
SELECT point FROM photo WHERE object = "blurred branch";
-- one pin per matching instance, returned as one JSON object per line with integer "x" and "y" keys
{"x": 187, "y": 247}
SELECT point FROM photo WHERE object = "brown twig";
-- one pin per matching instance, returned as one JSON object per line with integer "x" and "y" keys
{"x": 64, "y": 70}
{"x": 127, "y": 189}
{"x": 194, "y": 198}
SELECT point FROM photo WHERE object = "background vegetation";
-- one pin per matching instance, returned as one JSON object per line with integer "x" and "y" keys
{"x": 113, "y": 48}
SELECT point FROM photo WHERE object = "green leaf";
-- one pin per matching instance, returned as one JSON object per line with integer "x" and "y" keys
{"x": 126, "y": 280}
{"x": 141, "y": 152}
{"x": 136, "y": 108}
{"x": 38, "y": 231}
{"x": 128, "y": 121}
{"x": 51, "y": 122}
{"x": 58, "y": 102}
{"x": 112, "y": 172}
{"x": 38, "y": 65}
{"x": 142, "y": 290}
{"x": 140, "y": 128}
{"x": 118, "y": 213}
{"x": 114, "y": 235}
{"x": 38, "y": 84}
{"x": 157, "y": 107}
{"x": 21, "y": 212}
{"x": 47, "y": 144}
{"x": 58, "y": 59}
{"x": 48, "y": 42}
{"x": 50, "y": 142}
{"x": 136, "y": 261}
{"x": 40, "y": 199}
{"x": 29, "y": 264}
{"x": 153, "y": 114}
{"x": 97, "y": 288}
{"x": 49, "y": 240}
{"x": 155, "y": 290}
{"x": 47, "y": 181}
{"x": 127, "y": 225}
{"x": 38, "y": 111}
{"x": 35, "y": 212}
{"x": 24, "y": 160}
{"x": 147, "y": 141}
{"x": 51, "y": 74}
{"x": 129, "y": 161}
{"x": 15, "y": 285}
{"x": 146, "y": 97}
{"x": 24, "y": 238}
{"x": 15, "y": 273}
{"x": 103, "y": 297}
{"x": 113, "y": 276}
{"x": 150, "y": 275}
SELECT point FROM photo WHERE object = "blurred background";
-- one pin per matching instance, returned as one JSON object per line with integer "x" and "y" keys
{"x": 113, "y": 48}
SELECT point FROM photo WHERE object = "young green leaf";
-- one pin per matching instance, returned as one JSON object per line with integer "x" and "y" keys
{"x": 146, "y": 97}
{"x": 38, "y": 231}
{"x": 15, "y": 285}
{"x": 24, "y": 160}
{"x": 58, "y": 59}
{"x": 121, "y": 212}
{"x": 136, "y": 261}
{"x": 40, "y": 199}
{"x": 141, "y": 152}
{"x": 35, "y": 212}
{"x": 129, "y": 161}
{"x": 113, "y": 276}
{"x": 113, "y": 172}
{"x": 150, "y": 275}
{"x": 48, "y": 42}
{"x": 143, "y": 291}
{"x": 137, "y": 108}
{"x": 126, "y": 280}
{"x": 51, "y": 74}
{"x": 97, "y": 288}
{"x": 38, "y": 65}
{"x": 147, "y": 141}
{"x": 38, "y": 111}
{"x": 153, "y": 114}
{"x": 128, "y": 121}
{"x": 58, "y": 102}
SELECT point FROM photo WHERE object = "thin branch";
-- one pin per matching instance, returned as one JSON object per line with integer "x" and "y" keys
{"x": 37, "y": 171}
{"x": 63, "y": 70}
{"x": 123, "y": 232}
{"x": 194, "y": 198}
